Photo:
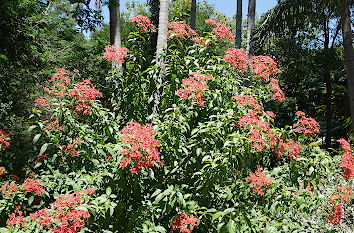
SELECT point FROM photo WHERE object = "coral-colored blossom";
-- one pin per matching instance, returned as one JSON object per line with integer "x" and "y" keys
{"x": 4, "y": 139}
{"x": 271, "y": 114}
{"x": 7, "y": 189}
{"x": 90, "y": 191}
{"x": 41, "y": 157}
{"x": 83, "y": 94}
{"x": 31, "y": 185}
{"x": 143, "y": 23}
{"x": 335, "y": 215}
{"x": 61, "y": 74}
{"x": 71, "y": 148}
{"x": 183, "y": 223}
{"x": 278, "y": 92}
{"x": 180, "y": 29}
{"x": 193, "y": 86}
{"x": 16, "y": 220}
{"x": 264, "y": 66}
{"x": 52, "y": 125}
{"x": 294, "y": 149}
{"x": 112, "y": 53}
{"x": 258, "y": 181}
{"x": 141, "y": 147}
{"x": 243, "y": 100}
{"x": 347, "y": 162}
{"x": 44, "y": 101}
{"x": 199, "y": 40}
{"x": 2, "y": 170}
{"x": 210, "y": 21}
{"x": 237, "y": 58}
{"x": 222, "y": 32}
{"x": 306, "y": 125}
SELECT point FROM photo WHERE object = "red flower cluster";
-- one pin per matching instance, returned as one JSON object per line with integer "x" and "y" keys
{"x": 222, "y": 32}
{"x": 83, "y": 94}
{"x": 278, "y": 92}
{"x": 237, "y": 58}
{"x": 211, "y": 22}
{"x": 294, "y": 149}
{"x": 71, "y": 148}
{"x": 271, "y": 114}
{"x": 64, "y": 216}
{"x": 30, "y": 185}
{"x": 61, "y": 74}
{"x": 141, "y": 147}
{"x": 112, "y": 53}
{"x": 258, "y": 181}
{"x": 336, "y": 214}
{"x": 143, "y": 23}
{"x": 194, "y": 85}
{"x": 16, "y": 220}
{"x": 2, "y": 170}
{"x": 41, "y": 157}
{"x": 248, "y": 100}
{"x": 347, "y": 163}
{"x": 4, "y": 139}
{"x": 8, "y": 189}
{"x": 199, "y": 40}
{"x": 345, "y": 193}
{"x": 306, "y": 125}
{"x": 180, "y": 29}
{"x": 90, "y": 191}
{"x": 264, "y": 66}
{"x": 182, "y": 221}
{"x": 44, "y": 101}
{"x": 52, "y": 125}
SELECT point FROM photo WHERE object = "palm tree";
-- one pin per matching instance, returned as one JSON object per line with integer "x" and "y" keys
{"x": 348, "y": 53}
{"x": 193, "y": 14}
{"x": 161, "y": 45}
{"x": 250, "y": 25}
{"x": 114, "y": 23}
{"x": 238, "y": 41}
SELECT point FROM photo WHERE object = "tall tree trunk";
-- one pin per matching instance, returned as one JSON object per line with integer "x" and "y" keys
{"x": 251, "y": 18}
{"x": 161, "y": 45}
{"x": 348, "y": 54}
{"x": 238, "y": 41}
{"x": 193, "y": 14}
{"x": 114, "y": 23}
{"x": 328, "y": 81}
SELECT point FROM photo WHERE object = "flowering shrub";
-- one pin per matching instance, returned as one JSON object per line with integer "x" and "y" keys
{"x": 306, "y": 125}
{"x": 142, "y": 147}
{"x": 237, "y": 58}
{"x": 182, "y": 221}
{"x": 180, "y": 29}
{"x": 347, "y": 163}
{"x": 112, "y": 53}
{"x": 264, "y": 66}
{"x": 258, "y": 181}
{"x": 193, "y": 86}
{"x": 220, "y": 30}
{"x": 4, "y": 139}
{"x": 143, "y": 23}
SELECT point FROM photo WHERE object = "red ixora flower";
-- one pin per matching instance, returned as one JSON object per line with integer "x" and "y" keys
{"x": 335, "y": 215}
{"x": 258, "y": 181}
{"x": 71, "y": 148}
{"x": 52, "y": 125}
{"x": 306, "y": 125}
{"x": 31, "y": 185}
{"x": 16, "y": 220}
{"x": 211, "y": 22}
{"x": 182, "y": 221}
{"x": 222, "y": 32}
{"x": 141, "y": 148}
{"x": 264, "y": 66}
{"x": 4, "y": 139}
{"x": 43, "y": 101}
{"x": 243, "y": 100}
{"x": 180, "y": 29}
{"x": 83, "y": 93}
{"x": 237, "y": 58}
{"x": 278, "y": 92}
{"x": 193, "y": 86}
{"x": 2, "y": 170}
{"x": 90, "y": 191}
{"x": 112, "y": 53}
{"x": 271, "y": 114}
{"x": 63, "y": 216}
{"x": 294, "y": 149}
{"x": 347, "y": 162}
{"x": 199, "y": 40}
{"x": 143, "y": 23}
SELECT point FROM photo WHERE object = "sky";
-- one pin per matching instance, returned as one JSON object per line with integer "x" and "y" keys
{"x": 228, "y": 7}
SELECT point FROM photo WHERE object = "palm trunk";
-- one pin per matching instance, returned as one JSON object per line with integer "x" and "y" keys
{"x": 114, "y": 23}
{"x": 348, "y": 54}
{"x": 238, "y": 42}
{"x": 328, "y": 81}
{"x": 161, "y": 45}
{"x": 250, "y": 26}
{"x": 193, "y": 14}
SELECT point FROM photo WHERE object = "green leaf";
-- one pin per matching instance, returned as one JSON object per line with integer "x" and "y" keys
{"x": 231, "y": 226}
{"x": 43, "y": 148}
{"x": 35, "y": 139}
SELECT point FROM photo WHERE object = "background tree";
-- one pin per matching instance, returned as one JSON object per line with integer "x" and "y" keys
{"x": 114, "y": 23}
{"x": 251, "y": 18}
{"x": 193, "y": 14}
{"x": 238, "y": 38}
